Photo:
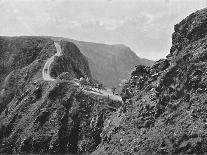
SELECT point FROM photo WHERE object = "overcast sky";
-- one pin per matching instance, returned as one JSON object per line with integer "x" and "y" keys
{"x": 143, "y": 25}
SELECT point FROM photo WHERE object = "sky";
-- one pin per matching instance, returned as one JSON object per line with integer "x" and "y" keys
{"x": 145, "y": 26}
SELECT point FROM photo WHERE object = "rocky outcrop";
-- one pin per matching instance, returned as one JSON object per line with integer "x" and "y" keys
{"x": 165, "y": 105}
{"x": 38, "y": 116}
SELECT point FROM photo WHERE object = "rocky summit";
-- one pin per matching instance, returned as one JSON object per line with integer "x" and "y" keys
{"x": 165, "y": 109}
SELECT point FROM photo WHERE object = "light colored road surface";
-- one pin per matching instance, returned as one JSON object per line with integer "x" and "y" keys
{"x": 106, "y": 94}
{"x": 46, "y": 76}
{"x": 103, "y": 93}
{"x": 46, "y": 70}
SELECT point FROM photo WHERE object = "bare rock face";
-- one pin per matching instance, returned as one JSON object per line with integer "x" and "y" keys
{"x": 38, "y": 116}
{"x": 165, "y": 108}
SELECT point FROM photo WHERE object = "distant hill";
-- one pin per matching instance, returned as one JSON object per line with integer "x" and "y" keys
{"x": 110, "y": 64}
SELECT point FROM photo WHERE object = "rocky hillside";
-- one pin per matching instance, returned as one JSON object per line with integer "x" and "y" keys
{"x": 110, "y": 64}
{"x": 22, "y": 60}
{"x": 38, "y": 116}
{"x": 165, "y": 105}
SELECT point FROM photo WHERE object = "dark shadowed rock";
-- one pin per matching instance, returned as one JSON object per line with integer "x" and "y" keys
{"x": 167, "y": 112}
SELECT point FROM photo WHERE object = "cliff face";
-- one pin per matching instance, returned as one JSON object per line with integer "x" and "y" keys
{"x": 165, "y": 108}
{"x": 110, "y": 64}
{"x": 38, "y": 116}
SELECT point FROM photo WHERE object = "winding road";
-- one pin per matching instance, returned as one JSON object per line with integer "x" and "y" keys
{"x": 46, "y": 76}
{"x": 46, "y": 70}
{"x": 106, "y": 94}
{"x": 103, "y": 93}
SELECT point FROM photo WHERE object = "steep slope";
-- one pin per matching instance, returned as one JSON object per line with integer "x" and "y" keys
{"x": 54, "y": 118}
{"x": 110, "y": 64}
{"x": 22, "y": 60}
{"x": 48, "y": 116}
{"x": 165, "y": 105}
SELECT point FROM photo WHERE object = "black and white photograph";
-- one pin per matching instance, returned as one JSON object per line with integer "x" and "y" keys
{"x": 103, "y": 77}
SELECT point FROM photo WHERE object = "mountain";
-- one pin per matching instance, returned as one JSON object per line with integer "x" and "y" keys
{"x": 38, "y": 115}
{"x": 164, "y": 110}
{"x": 110, "y": 64}
{"x": 22, "y": 58}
